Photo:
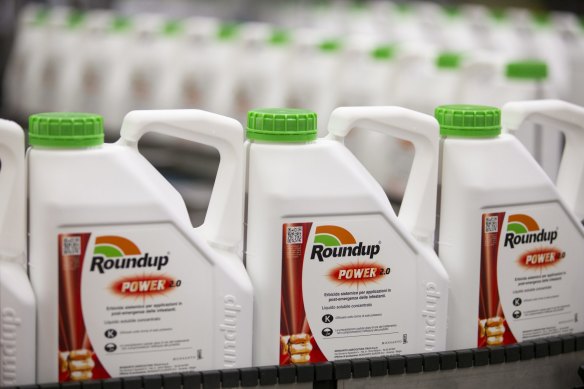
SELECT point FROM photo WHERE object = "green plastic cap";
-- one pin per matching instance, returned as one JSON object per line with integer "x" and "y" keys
{"x": 172, "y": 28}
{"x": 527, "y": 70}
{"x": 41, "y": 16}
{"x": 228, "y": 31}
{"x": 498, "y": 14}
{"x": 281, "y": 125}
{"x": 65, "y": 130}
{"x": 449, "y": 60}
{"x": 469, "y": 121}
{"x": 542, "y": 19}
{"x": 452, "y": 11}
{"x": 75, "y": 19}
{"x": 386, "y": 52}
{"x": 330, "y": 45}
{"x": 279, "y": 37}
{"x": 121, "y": 24}
{"x": 403, "y": 8}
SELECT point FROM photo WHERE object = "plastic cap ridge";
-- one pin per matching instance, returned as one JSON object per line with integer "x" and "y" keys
{"x": 469, "y": 121}
{"x": 65, "y": 130}
{"x": 282, "y": 125}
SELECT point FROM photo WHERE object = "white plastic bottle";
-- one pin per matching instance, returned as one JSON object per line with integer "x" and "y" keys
{"x": 28, "y": 41}
{"x": 135, "y": 71}
{"x": 557, "y": 115}
{"x": 517, "y": 81}
{"x": 369, "y": 80}
{"x": 17, "y": 302}
{"x": 314, "y": 77}
{"x": 84, "y": 71}
{"x": 220, "y": 82}
{"x": 336, "y": 274}
{"x": 528, "y": 80}
{"x": 511, "y": 245}
{"x": 125, "y": 286}
{"x": 261, "y": 78}
{"x": 65, "y": 35}
{"x": 500, "y": 35}
{"x": 195, "y": 61}
{"x": 40, "y": 72}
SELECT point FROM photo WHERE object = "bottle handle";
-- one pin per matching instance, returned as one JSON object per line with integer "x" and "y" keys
{"x": 569, "y": 118}
{"x": 223, "y": 225}
{"x": 12, "y": 193}
{"x": 418, "y": 210}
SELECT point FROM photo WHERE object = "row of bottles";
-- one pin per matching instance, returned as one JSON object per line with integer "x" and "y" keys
{"x": 301, "y": 257}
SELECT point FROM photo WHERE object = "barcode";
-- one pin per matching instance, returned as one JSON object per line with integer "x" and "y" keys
{"x": 492, "y": 224}
{"x": 71, "y": 245}
{"x": 294, "y": 235}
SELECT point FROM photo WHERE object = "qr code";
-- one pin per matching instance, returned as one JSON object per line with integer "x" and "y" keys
{"x": 492, "y": 224}
{"x": 294, "y": 235}
{"x": 71, "y": 245}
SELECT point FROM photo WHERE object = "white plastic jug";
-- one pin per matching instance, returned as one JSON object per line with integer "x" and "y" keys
{"x": 261, "y": 79}
{"x": 511, "y": 245}
{"x": 114, "y": 261}
{"x": 517, "y": 81}
{"x": 378, "y": 80}
{"x": 191, "y": 66}
{"x": 57, "y": 42}
{"x": 336, "y": 273}
{"x": 568, "y": 118}
{"x": 85, "y": 69}
{"x": 313, "y": 77}
{"x": 17, "y": 302}
{"x": 218, "y": 93}
{"x": 28, "y": 42}
{"x": 133, "y": 74}
{"x": 529, "y": 80}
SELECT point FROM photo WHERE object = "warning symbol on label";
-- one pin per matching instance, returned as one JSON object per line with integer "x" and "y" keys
{"x": 110, "y": 347}
{"x": 111, "y": 333}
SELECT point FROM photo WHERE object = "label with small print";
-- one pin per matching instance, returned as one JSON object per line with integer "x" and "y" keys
{"x": 344, "y": 287}
{"x": 530, "y": 274}
{"x": 128, "y": 303}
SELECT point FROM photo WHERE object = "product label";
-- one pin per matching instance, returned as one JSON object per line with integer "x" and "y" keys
{"x": 132, "y": 305}
{"x": 345, "y": 288}
{"x": 531, "y": 262}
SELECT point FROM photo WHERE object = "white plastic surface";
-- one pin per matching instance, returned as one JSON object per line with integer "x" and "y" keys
{"x": 419, "y": 203}
{"x": 312, "y": 76}
{"x": 17, "y": 304}
{"x": 367, "y": 81}
{"x": 469, "y": 187}
{"x": 223, "y": 224}
{"x": 12, "y": 193}
{"x": 85, "y": 69}
{"x": 323, "y": 183}
{"x": 17, "y": 326}
{"x": 51, "y": 46}
{"x": 28, "y": 39}
{"x": 111, "y": 189}
{"x": 569, "y": 119}
{"x": 134, "y": 73}
{"x": 261, "y": 70}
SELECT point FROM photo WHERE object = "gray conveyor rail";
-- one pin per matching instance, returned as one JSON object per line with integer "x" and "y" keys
{"x": 555, "y": 362}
